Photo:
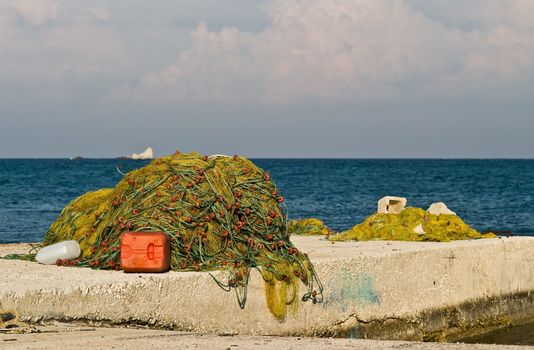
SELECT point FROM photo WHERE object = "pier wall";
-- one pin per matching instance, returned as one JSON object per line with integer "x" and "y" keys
{"x": 382, "y": 290}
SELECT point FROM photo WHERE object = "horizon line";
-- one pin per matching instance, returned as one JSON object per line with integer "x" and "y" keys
{"x": 298, "y": 158}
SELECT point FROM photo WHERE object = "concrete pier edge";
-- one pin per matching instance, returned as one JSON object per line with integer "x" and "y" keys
{"x": 379, "y": 290}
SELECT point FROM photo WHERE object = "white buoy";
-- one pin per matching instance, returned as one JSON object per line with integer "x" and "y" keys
{"x": 62, "y": 250}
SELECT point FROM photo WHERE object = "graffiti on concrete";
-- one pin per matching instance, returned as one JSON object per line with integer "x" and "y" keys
{"x": 351, "y": 288}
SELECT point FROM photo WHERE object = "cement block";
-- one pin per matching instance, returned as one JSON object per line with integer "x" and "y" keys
{"x": 439, "y": 208}
{"x": 391, "y": 205}
{"x": 389, "y": 290}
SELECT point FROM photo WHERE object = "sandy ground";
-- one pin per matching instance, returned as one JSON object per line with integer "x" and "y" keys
{"x": 61, "y": 336}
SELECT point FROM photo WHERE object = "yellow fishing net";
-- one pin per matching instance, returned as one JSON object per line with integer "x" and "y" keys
{"x": 412, "y": 224}
{"x": 307, "y": 227}
{"x": 219, "y": 212}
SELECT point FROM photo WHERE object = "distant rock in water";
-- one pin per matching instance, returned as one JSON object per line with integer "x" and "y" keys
{"x": 147, "y": 154}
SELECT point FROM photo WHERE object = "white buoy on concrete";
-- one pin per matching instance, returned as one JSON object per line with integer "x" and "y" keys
{"x": 62, "y": 250}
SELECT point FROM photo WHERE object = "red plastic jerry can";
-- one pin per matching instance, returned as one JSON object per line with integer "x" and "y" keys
{"x": 145, "y": 252}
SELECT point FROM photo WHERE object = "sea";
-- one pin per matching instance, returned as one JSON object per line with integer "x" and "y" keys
{"x": 487, "y": 194}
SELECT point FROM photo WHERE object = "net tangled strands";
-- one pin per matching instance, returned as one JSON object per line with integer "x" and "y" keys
{"x": 219, "y": 212}
{"x": 412, "y": 224}
{"x": 308, "y": 227}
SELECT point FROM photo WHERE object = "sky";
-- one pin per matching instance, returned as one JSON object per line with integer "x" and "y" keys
{"x": 273, "y": 78}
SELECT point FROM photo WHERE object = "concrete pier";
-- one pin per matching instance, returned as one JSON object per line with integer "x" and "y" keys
{"x": 381, "y": 290}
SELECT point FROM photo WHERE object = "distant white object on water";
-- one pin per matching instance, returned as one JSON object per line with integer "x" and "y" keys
{"x": 391, "y": 205}
{"x": 147, "y": 154}
{"x": 62, "y": 250}
{"x": 419, "y": 229}
{"x": 439, "y": 208}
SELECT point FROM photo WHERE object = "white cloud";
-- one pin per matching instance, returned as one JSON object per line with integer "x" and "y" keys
{"x": 101, "y": 13}
{"x": 321, "y": 50}
{"x": 479, "y": 13}
{"x": 50, "y": 40}
{"x": 35, "y": 12}
{"x": 338, "y": 50}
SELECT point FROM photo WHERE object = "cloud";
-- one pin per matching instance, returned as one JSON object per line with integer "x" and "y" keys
{"x": 338, "y": 50}
{"x": 479, "y": 14}
{"x": 53, "y": 40}
{"x": 33, "y": 11}
{"x": 331, "y": 51}
{"x": 101, "y": 13}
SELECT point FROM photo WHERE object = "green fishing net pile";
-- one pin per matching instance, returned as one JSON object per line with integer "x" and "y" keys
{"x": 411, "y": 224}
{"x": 221, "y": 213}
{"x": 307, "y": 227}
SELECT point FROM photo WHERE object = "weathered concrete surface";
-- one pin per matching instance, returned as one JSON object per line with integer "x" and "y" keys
{"x": 67, "y": 337}
{"x": 388, "y": 290}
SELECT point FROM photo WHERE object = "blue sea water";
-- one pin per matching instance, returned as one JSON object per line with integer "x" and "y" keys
{"x": 488, "y": 194}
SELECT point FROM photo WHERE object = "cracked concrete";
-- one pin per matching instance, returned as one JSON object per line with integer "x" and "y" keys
{"x": 386, "y": 290}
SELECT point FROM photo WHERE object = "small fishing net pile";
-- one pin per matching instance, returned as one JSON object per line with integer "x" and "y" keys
{"x": 307, "y": 227}
{"x": 219, "y": 212}
{"x": 412, "y": 224}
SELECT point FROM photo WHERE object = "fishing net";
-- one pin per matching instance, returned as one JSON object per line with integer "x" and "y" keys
{"x": 219, "y": 212}
{"x": 307, "y": 227}
{"x": 412, "y": 224}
